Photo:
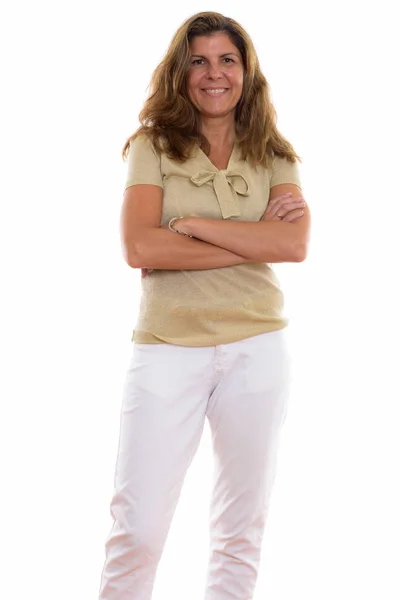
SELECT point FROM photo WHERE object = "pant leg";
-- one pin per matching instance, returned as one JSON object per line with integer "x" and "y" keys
{"x": 162, "y": 419}
{"x": 246, "y": 413}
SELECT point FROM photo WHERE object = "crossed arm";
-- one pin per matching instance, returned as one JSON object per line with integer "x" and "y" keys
{"x": 218, "y": 243}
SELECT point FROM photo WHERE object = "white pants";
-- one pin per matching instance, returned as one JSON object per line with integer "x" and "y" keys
{"x": 242, "y": 388}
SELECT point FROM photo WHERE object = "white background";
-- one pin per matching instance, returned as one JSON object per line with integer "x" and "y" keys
{"x": 74, "y": 77}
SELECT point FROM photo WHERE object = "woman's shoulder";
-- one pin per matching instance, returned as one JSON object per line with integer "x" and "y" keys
{"x": 284, "y": 170}
{"x": 141, "y": 139}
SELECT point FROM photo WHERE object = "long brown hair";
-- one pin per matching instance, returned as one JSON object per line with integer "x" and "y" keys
{"x": 171, "y": 121}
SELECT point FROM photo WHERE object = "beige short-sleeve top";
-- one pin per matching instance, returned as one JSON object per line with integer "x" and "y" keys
{"x": 213, "y": 306}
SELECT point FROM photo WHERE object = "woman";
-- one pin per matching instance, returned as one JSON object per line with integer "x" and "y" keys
{"x": 212, "y": 197}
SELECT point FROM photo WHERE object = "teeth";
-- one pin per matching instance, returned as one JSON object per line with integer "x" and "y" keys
{"x": 214, "y": 91}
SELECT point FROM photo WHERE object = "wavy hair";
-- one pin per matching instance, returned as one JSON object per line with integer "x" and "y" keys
{"x": 172, "y": 122}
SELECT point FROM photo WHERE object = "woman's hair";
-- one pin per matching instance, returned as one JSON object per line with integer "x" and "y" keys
{"x": 172, "y": 122}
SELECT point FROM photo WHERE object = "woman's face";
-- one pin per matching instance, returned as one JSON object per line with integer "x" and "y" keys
{"x": 215, "y": 76}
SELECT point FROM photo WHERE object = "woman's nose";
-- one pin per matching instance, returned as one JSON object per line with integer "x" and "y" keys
{"x": 214, "y": 71}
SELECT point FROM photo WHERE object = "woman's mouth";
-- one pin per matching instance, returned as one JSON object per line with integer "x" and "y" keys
{"x": 215, "y": 91}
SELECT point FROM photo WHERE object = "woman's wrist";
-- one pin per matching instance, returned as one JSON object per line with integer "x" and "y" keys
{"x": 186, "y": 226}
{"x": 181, "y": 225}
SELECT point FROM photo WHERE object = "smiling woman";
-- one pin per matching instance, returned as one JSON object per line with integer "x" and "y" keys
{"x": 212, "y": 198}
{"x": 215, "y": 76}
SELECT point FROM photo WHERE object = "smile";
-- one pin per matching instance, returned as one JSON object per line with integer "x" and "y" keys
{"x": 215, "y": 91}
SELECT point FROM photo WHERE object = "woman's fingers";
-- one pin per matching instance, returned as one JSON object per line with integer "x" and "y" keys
{"x": 278, "y": 201}
{"x": 293, "y": 215}
{"x": 281, "y": 205}
{"x": 282, "y": 200}
{"x": 146, "y": 272}
{"x": 293, "y": 205}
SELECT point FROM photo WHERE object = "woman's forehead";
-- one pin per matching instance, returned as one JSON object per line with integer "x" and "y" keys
{"x": 216, "y": 43}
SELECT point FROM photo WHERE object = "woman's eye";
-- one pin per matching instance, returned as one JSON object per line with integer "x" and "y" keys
{"x": 200, "y": 61}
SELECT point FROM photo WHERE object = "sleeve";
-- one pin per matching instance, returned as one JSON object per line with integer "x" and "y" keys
{"x": 284, "y": 171}
{"x": 143, "y": 163}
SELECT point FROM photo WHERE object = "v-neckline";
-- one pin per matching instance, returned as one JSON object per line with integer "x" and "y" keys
{"x": 230, "y": 161}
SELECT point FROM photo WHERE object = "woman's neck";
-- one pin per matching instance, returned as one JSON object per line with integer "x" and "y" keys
{"x": 219, "y": 132}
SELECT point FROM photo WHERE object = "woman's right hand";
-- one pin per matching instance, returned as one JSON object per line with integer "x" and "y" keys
{"x": 284, "y": 208}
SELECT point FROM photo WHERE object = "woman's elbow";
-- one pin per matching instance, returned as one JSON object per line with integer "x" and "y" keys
{"x": 133, "y": 261}
{"x": 131, "y": 254}
{"x": 136, "y": 249}
{"x": 300, "y": 252}
{"x": 136, "y": 256}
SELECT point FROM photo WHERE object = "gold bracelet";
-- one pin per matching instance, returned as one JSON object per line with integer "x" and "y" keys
{"x": 170, "y": 227}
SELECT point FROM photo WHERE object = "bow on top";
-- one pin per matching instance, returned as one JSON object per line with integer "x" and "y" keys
{"x": 226, "y": 185}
